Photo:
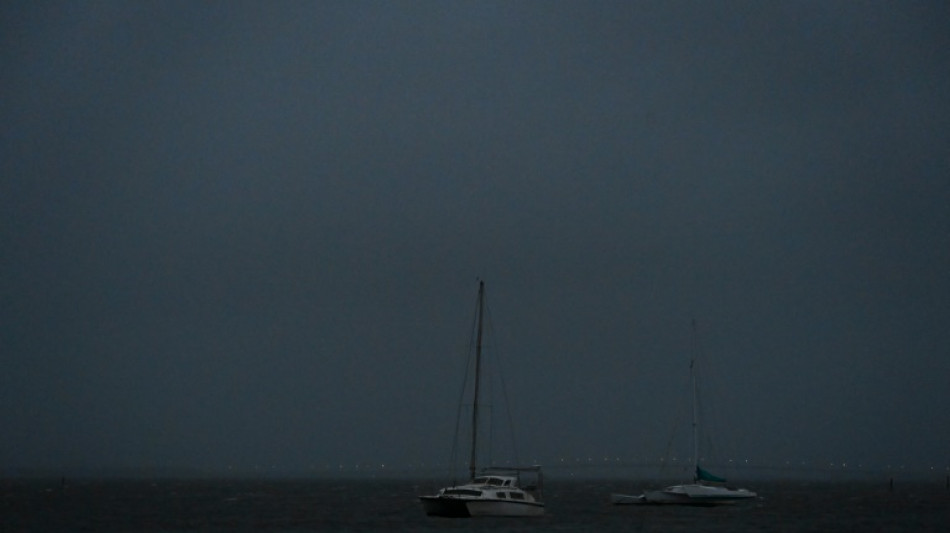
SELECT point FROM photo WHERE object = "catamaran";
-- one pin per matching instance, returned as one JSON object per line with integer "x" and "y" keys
{"x": 705, "y": 489}
{"x": 492, "y": 491}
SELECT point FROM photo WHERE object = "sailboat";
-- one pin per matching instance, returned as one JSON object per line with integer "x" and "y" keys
{"x": 491, "y": 491}
{"x": 706, "y": 488}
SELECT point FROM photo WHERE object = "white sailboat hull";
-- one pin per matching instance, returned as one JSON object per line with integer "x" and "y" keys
{"x": 496, "y": 497}
{"x": 504, "y": 508}
{"x": 469, "y": 507}
{"x": 696, "y": 494}
{"x": 487, "y": 495}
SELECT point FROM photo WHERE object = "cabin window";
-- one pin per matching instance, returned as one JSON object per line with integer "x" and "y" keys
{"x": 507, "y": 482}
{"x": 464, "y": 492}
{"x": 502, "y": 495}
{"x": 517, "y": 496}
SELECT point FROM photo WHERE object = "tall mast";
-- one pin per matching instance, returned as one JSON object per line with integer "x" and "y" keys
{"x": 692, "y": 377}
{"x": 478, "y": 362}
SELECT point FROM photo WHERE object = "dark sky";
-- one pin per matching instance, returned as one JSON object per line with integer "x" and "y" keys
{"x": 249, "y": 234}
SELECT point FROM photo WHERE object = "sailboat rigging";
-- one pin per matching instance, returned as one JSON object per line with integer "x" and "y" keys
{"x": 492, "y": 491}
{"x": 706, "y": 488}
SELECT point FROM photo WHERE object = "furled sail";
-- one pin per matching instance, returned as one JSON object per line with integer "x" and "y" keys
{"x": 702, "y": 475}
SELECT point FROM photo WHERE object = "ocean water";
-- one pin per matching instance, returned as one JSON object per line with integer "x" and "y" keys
{"x": 391, "y": 505}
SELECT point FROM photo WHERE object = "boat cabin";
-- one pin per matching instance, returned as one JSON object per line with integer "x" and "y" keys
{"x": 495, "y": 481}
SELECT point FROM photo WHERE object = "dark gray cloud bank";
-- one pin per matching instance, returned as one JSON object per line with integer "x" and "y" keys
{"x": 247, "y": 234}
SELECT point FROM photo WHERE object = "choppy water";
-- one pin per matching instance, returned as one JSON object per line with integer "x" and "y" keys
{"x": 391, "y": 505}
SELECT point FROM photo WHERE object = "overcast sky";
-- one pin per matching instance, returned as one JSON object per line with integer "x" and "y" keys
{"x": 249, "y": 233}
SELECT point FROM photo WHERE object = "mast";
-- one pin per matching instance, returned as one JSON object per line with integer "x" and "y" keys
{"x": 692, "y": 377}
{"x": 695, "y": 438}
{"x": 478, "y": 362}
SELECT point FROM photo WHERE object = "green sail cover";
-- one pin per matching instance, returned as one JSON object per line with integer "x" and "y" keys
{"x": 702, "y": 475}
